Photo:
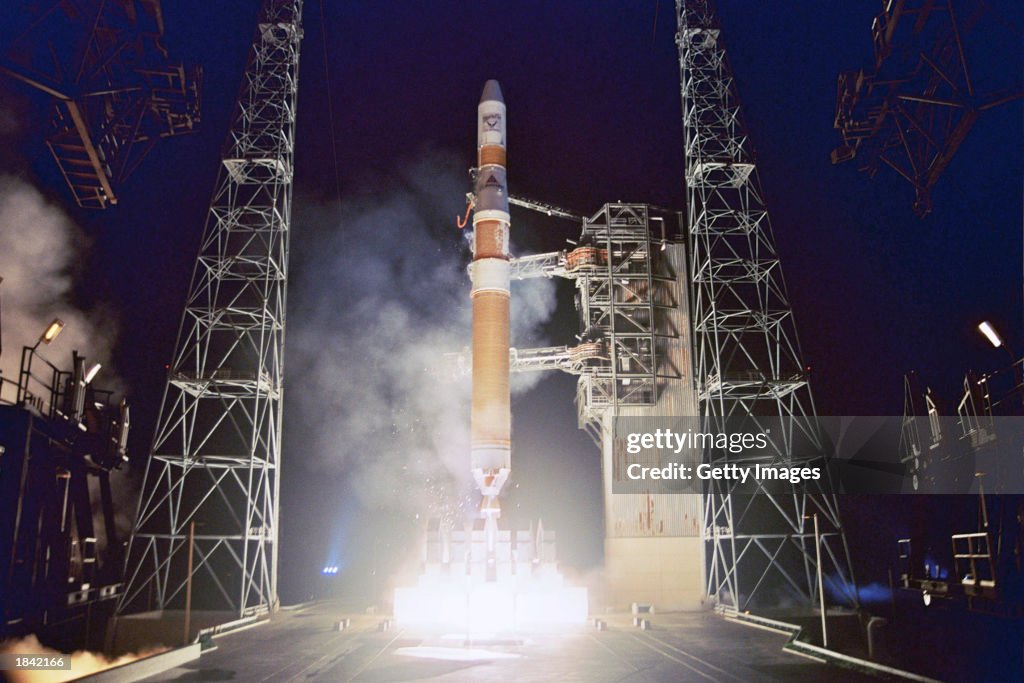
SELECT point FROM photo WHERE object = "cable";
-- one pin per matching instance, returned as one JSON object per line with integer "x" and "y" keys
{"x": 330, "y": 104}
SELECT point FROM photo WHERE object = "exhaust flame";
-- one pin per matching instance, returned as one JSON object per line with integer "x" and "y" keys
{"x": 487, "y": 607}
{"x": 83, "y": 663}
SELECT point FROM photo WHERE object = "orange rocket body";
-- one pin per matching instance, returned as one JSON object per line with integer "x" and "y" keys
{"x": 491, "y": 416}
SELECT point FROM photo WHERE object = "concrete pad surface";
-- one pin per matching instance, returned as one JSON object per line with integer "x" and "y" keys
{"x": 302, "y": 645}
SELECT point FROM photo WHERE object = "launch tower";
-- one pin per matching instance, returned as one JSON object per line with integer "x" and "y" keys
{"x": 747, "y": 362}
{"x": 207, "y": 529}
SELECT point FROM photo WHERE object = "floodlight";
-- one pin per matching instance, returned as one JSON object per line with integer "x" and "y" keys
{"x": 985, "y": 327}
{"x": 51, "y": 331}
{"x": 91, "y": 373}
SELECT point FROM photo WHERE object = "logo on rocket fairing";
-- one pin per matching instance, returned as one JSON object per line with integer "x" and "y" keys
{"x": 492, "y": 120}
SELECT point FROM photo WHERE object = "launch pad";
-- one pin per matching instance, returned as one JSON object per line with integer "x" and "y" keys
{"x": 631, "y": 360}
{"x": 467, "y": 587}
{"x": 302, "y": 644}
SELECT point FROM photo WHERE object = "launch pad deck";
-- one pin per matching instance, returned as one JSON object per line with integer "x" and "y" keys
{"x": 303, "y": 645}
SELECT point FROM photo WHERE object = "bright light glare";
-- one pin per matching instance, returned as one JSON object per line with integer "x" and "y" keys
{"x": 329, "y": 570}
{"x": 986, "y": 329}
{"x": 454, "y": 654}
{"x": 491, "y": 607}
{"x": 52, "y": 330}
{"x": 91, "y": 374}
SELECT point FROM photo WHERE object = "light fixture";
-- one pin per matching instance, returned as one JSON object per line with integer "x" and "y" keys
{"x": 51, "y": 331}
{"x": 664, "y": 242}
{"x": 91, "y": 373}
{"x": 48, "y": 335}
{"x": 985, "y": 327}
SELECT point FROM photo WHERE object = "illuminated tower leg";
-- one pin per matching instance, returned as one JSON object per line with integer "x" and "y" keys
{"x": 211, "y": 486}
{"x": 747, "y": 361}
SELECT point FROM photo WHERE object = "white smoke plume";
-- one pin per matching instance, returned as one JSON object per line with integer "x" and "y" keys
{"x": 41, "y": 251}
{"x": 379, "y": 296}
{"x": 83, "y": 663}
{"x": 40, "y": 258}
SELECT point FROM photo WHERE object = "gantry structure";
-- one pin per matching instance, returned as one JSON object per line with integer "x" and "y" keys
{"x": 207, "y": 526}
{"x": 915, "y": 104}
{"x": 707, "y": 315}
{"x": 114, "y": 91}
{"x": 748, "y": 368}
{"x": 632, "y": 361}
{"x": 61, "y": 553}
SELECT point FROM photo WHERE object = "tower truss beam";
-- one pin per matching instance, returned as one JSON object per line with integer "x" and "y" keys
{"x": 747, "y": 362}
{"x": 114, "y": 91}
{"x": 214, "y": 466}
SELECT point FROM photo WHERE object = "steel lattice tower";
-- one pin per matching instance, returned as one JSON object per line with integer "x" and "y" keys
{"x": 747, "y": 361}
{"x": 217, "y": 446}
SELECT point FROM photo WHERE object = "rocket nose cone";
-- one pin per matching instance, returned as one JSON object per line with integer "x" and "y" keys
{"x": 492, "y": 91}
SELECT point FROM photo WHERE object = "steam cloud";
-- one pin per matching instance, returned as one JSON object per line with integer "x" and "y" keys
{"x": 41, "y": 250}
{"x": 83, "y": 663}
{"x": 37, "y": 264}
{"x": 380, "y": 296}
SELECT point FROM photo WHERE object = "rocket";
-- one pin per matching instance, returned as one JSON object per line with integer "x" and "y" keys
{"x": 491, "y": 413}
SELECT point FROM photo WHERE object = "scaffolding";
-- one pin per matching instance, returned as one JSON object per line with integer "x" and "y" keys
{"x": 972, "y": 448}
{"x": 914, "y": 106}
{"x": 60, "y": 550}
{"x": 114, "y": 90}
{"x": 747, "y": 363}
{"x": 978, "y": 449}
{"x": 615, "y": 285}
{"x": 213, "y": 473}
{"x": 624, "y": 292}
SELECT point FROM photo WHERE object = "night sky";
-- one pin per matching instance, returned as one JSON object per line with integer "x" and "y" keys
{"x": 593, "y": 101}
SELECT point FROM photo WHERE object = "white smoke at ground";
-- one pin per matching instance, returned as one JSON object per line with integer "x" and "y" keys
{"x": 41, "y": 255}
{"x": 83, "y": 663}
{"x": 378, "y": 305}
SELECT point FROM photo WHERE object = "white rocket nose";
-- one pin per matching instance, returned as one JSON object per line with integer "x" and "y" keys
{"x": 492, "y": 128}
{"x": 492, "y": 92}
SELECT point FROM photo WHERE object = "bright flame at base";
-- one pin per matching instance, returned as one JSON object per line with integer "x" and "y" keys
{"x": 479, "y": 606}
{"x": 82, "y": 663}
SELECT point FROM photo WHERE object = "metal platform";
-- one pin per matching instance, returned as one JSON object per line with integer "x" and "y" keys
{"x": 303, "y": 645}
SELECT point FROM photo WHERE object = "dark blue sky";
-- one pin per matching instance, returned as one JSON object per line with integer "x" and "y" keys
{"x": 594, "y": 111}
{"x": 593, "y": 97}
